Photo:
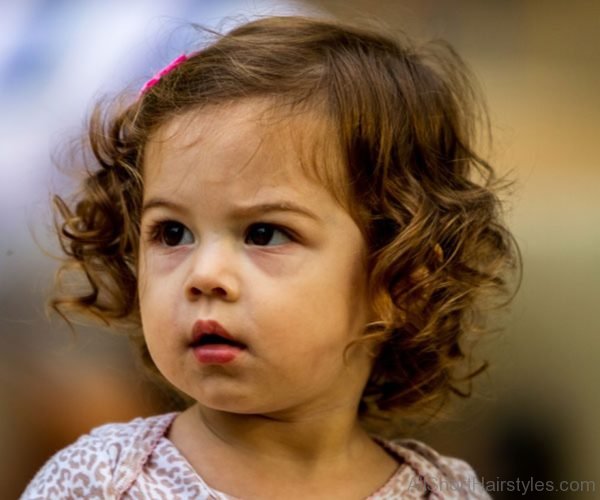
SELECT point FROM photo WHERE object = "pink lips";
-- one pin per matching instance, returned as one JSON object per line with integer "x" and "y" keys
{"x": 214, "y": 352}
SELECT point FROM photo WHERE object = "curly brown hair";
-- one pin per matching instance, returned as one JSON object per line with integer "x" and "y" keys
{"x": 406, "y": 118}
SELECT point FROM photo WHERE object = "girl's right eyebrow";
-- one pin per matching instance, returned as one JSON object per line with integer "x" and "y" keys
{"x": 161, "y": 203}
{"x": 240, "y": 212}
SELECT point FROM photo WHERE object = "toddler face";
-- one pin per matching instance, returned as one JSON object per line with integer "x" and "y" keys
{"x": 287, "y": 281}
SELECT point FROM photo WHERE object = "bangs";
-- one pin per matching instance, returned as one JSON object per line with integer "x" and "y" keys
{"x": 315, "y": 138}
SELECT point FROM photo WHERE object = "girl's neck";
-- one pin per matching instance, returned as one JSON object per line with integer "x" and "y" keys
{"x": 271, "y": 456}
{"x": 307, "y": 438}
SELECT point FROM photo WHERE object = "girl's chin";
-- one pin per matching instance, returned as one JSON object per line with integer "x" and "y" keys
{"x": 237, "y": 408}
{"x": 226, "y": 405}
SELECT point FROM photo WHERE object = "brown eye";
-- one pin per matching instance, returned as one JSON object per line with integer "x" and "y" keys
{"x": 263, "y": 234}
{"x": 171, "y": 233}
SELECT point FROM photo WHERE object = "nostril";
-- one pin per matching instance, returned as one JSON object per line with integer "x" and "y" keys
{"x": 195, "y": 291}
{"x": 219, "y": 291}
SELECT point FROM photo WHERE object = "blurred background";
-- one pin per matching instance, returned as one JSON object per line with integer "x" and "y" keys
{"x": 534, "y": 414}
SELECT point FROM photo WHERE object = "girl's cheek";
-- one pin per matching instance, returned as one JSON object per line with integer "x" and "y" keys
{"x": 159, "y": 262}
{"x": 281, "y": 262}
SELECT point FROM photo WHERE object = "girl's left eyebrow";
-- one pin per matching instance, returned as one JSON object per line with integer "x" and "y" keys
{"x": 240, "y": 211}
{"x": 276, "y": 206}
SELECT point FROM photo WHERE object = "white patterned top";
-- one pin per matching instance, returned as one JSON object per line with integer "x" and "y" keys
{"x": 135, "y": 460}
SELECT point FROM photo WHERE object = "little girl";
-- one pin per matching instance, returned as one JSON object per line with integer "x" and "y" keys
{"x": 293, "y": 226}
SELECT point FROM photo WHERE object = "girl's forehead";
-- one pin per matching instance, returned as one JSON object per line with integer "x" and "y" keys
{"x": 247, "y": 138}
{"x": 209, "y": 135}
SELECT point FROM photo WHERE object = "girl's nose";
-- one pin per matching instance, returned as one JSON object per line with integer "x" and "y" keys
{"x": 213, "y": 275}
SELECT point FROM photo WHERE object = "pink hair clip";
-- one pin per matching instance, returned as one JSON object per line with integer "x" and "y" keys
{"x": 167, "y": 69}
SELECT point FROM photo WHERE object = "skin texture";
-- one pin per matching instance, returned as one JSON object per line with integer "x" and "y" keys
{"x": 287, "y": 405}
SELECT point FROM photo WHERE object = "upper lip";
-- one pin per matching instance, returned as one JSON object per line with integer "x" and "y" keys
{"x": 204, "y": 327}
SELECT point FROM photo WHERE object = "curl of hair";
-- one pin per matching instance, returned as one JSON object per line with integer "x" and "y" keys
{"x": 406, "y": 118}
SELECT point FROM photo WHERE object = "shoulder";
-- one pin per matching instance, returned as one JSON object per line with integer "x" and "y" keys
{"x": 100, "y": 464}
{"x": 426, "y": 470}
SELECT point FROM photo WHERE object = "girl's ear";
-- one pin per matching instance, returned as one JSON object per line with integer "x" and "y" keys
{"x": 412, "y": 293}
{"x": 439, "y": 253}
{"x": 408, "y": 296}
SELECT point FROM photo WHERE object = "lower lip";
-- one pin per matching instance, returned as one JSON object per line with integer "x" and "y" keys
{"x": 216, "y": 353}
